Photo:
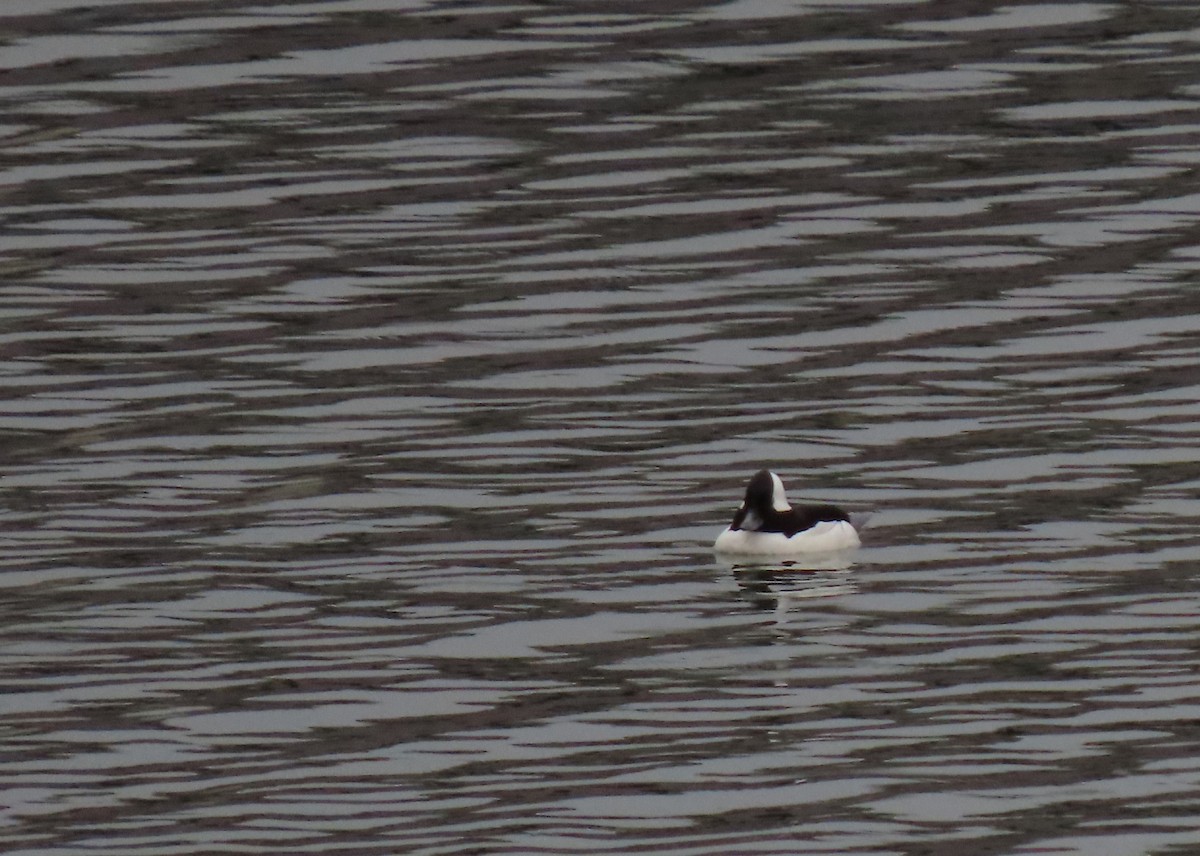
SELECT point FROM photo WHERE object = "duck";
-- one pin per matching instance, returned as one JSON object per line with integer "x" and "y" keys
{"x": 766, "y": 524}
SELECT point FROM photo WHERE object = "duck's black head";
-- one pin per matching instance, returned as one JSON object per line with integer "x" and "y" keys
{"x": 764, "y": 495}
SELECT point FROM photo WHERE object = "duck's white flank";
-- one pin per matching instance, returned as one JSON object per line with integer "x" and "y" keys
{"x": 825, "y": 537}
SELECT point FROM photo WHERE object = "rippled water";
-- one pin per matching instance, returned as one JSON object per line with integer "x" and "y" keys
{"x": 378, "y": 375}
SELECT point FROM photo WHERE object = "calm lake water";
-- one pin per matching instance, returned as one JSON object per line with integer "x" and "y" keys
{"x": 377, "y": 376}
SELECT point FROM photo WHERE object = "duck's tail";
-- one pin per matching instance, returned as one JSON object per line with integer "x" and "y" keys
{"x": 859, "y": 519}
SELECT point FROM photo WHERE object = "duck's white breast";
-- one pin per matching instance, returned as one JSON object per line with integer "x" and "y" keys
{"x": 827, "y": 536}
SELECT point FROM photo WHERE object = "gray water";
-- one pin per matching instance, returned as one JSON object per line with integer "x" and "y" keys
{"x": 377, "y": 376}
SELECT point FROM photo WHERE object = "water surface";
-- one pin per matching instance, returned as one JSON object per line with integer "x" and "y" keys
{"x": 377, "y": 377}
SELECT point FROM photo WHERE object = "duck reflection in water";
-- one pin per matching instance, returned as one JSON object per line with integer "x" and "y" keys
{"x": 778, "y": 585}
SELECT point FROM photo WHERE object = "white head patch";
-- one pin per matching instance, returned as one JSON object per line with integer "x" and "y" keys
{"x": 779, "y": 498}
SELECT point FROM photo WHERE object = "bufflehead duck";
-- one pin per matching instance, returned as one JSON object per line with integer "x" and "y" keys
{"x": 766, "y": 525}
